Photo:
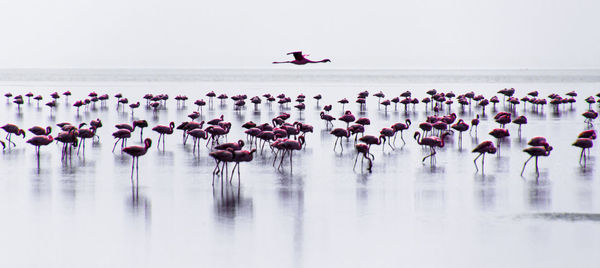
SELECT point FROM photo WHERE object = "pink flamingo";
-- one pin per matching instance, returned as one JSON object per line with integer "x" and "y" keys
{"x": 121, "y": 135}
{"x": 328, "y": 119}
{"x": 474, "y": 124}
{"x": 135, "y": 152}
{"x": 37, "y": 130}
{"x": 85, "y": 133}
{"x": 348, "y": 117}
{"x": 141, "y": 124}
{"x": 299, "y": 59}
{"x": 236, "y": 146}
{"x": 12, "y": 129}
{"x": 197, "y": 134}
{"x": 536, "y": 151}
{"x": 289, "y": 146}
{"x": 583, "y": 143}
{"x": 499, "y": 134}
{"x": 221, "y": 157}
{"x": 355, "y": 129}
{"x": 461, "y": 127}
{"x": 482, "y": 149}
{"x": 162, "y": 131}
{"x": 590, "y": 115}
{"x": 400, "y": 127}
{"x": 216, "y": 132}
{"x": 432, "y": 142}
{"x": 363, "y": 149}
{"x": 39, "y": 141}
{"x": 387, "y": 133}
{"x": 339, "y": 133}
{"x": 241, "y": 156}
{"x": 520, "y": 120}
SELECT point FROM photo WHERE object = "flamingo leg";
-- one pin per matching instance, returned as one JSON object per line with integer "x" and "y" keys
{"x": 482, "y": 164}
{"x": 475, "y": 162}
{"x": 525, "y": 165}
{"x": 132, "y": 166}
{"x": 118, "y": 139}
{"x": 355, "y": 160}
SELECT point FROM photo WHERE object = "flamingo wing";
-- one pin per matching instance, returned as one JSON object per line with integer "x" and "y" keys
{"x": 297, "y": 55}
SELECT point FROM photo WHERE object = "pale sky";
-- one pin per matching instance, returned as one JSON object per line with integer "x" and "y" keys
{"x": 436, "y": 34}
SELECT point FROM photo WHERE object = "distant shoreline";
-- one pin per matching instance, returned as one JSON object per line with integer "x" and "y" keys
{"x": 299, "y": 75}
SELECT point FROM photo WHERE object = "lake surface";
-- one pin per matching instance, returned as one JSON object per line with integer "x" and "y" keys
{"x": 82, "y": 213}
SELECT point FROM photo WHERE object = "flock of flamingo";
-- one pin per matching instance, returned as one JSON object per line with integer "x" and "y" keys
{"x": 283, "y": 138}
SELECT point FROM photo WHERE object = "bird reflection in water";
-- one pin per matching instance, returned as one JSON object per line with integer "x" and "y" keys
{"x": 139, "y": 204}
{"x": 229, "y": 203}
{"x": 539, "y": 194}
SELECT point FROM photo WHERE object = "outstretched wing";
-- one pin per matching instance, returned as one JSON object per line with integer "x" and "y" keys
{"x": 297, "y": 55}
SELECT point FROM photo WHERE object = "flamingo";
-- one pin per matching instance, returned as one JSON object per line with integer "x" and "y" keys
{"x": 85, "y": 133}
{"x": 520, "y": 120}
{"x": 363, "y": 149}
{"x": 387, "y": 133}
{"x": 461, "y": 127}
{"x": 482, "y": 149}
{"x": 400, "y": 127}
{"x": 339, "y": 133}
{"x": 37, "y": 130}
{"x": 536, "y": 151}
{"x": 197, "y": 134}
{"x": 499, "y": 134}
{"x": 241, "y": 156}
{"x": 221, "y": 156}
{"x": 135, "y": 152}
{"x": 432, "y": 142}
{"x": 474, "y": 124}
{"x": 328, "y": 118}
{"x": 299, "y": 59}
{"x": 39, "y": 141}
{"x": 12, "y": 129}
{"x": 583, "y": 143}
{"x": 141, "y": 124}
{"x": 162, "y": 131}
{"x": 121, "y": 135}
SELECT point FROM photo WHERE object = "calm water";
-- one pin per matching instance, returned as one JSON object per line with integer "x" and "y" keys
{"x": 404, "y": 213}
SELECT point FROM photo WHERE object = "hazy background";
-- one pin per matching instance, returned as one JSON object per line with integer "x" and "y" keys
{"x": 354, "y": 34}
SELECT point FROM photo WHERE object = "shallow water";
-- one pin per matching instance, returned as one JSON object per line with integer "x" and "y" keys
{"x": 83, "y": 212}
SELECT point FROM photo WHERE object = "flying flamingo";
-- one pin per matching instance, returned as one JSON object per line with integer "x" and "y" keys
{"x": 432, "y": 142}
{"x": 583, "y": 143}
{"x": 299, "y": 59}
{"x": 482, "y": 149}
{"x": 162, "y": 131}
{"x": 12, "y": 129}
{"x": 363, "y": 149}
{"x": 135, "y": 152}
{"x": 536, "y": 151}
